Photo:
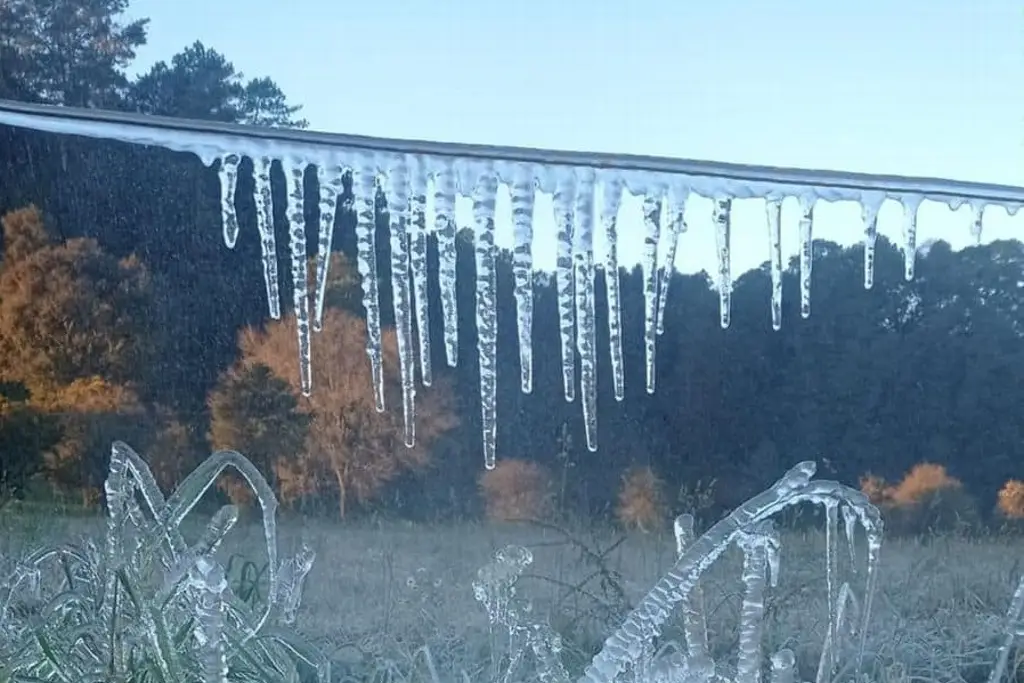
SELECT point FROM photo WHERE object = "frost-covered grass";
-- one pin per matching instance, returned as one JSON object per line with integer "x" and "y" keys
{"x": 380, "y": 593}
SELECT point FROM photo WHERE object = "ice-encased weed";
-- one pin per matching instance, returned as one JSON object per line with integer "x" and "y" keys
{"x": 749, "y": 527}
{"x": 146, "y": 606}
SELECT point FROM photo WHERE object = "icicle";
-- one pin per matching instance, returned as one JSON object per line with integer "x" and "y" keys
{"x": 523, "y": 192}
{"x": 329, "y": 178}
{"x": 910, "y": 206}
{"x": 484, "y": 196}
{"x": 831, "y": 569}
{"x": 418, "y": 262}
{"x": 364, "y": 187}
{"x": 586, "y": 335}
{"x": 806, "y": 253}
{"x": 228, "y": 174}
{"x": 444, "y": 225}
{"x": 773, "y": 207}
{"x": 398, "y": 209}
{"x": 652, "y": 233}
{"x": 869, "y": 208}
{"x": 265, "y": 226}
{"x": 675, "y": 214}
{"x": 612, "y": 198}
{"x": 564, "y": 203}
{"x": 295, "y": 171}
{"x": 722, "y": 218}
{"x": 850, "y": 524}
{"x": 977, "y": 213}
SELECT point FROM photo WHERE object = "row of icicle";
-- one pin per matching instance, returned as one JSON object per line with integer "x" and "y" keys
{"x": 405, "y": 186}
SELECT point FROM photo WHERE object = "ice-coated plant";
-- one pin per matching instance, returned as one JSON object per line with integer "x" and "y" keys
{"x": 631, "y": 649}
{"x": 144, "y": 606}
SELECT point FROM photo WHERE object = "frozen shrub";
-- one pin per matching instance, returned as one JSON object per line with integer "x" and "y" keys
{"x": 517, "y": 490}
{"x": 1011, "y": 500}
{"x": 928, "y": 499}
{"x": 143, "y": 605}
{"x": 642, "y": 500}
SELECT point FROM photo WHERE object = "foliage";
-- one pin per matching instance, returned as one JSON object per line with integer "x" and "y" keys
{"x": 201, "y": 83}
{"x": 1011, "y": 499}
{"x": 352, "y": 449}
{"x": 70, "y": 311}
{"x": 25, "y": 434}
{"x": 71, "y": 52}
{"x": 255, "y": 412}
{"x": 642, "y": 502}
{"x": 927, "y": 499}
{"x": 143, "y": 605}
{"x": 517, "y": 490}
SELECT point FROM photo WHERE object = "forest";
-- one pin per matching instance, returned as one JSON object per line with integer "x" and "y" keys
{"x": 123, "y": 316}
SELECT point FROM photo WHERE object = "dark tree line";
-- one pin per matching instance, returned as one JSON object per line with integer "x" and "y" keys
{"x": 874, "y": 382}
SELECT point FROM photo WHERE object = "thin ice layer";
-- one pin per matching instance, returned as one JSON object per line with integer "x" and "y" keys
{"x": 910, "y": 206}
{"x": 722, "y": 218}
{"x": 228, "y": 175}
{"x": 523, "y": 194}
{"x": 649, "y": 262}
{"x": 773, "y": 208}
{"x": 586, "y": 328}
{"x": 611, "y": 200}
{"x": 418, "y": 262}
{"x": 869, "y": 216}
{"x": 806, "y": 252}
{"x": 263, "y": 198}
{"x": 564, "y": 202}
{"x": 675, "y": 215}
{"x": 364, "y": 187}
{"x": 484, "y": 196}
{"x": 329, "y": 178}
{"x": 294, "y": 173}
{"x": 444, "y": 226}
{"x": 398, "y": 210}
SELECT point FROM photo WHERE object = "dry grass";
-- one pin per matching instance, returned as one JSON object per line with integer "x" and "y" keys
{"x": 379, "y": 593}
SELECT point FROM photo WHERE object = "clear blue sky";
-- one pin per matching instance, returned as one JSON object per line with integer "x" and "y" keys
{"x": 915, "y": 87}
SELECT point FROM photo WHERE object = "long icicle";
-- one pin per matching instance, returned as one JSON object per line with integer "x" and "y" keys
{"x": 445, "y": 228}
{"x": 675, "y": 215}
{"x": 911, "y": 204}
{"x": 869, "y": 209}
{"x": 295, "y": 171}
{"x": 652, "y": 233}
{"x": 329, "y": 177}
{"x": 365, "y": 190}
{"x": 806, "y": 253}
{"x": 773, "y": 208}
{"x": 722, "y": 218}
{"x": 523, "y": 194}
{"x": 586, "y": 341}
{"x": 484, "y": 196}
{"x": 564, "y": 202}
{"x": 611, "y": 200}
{"x": 228, "y": 174}
{"x": 398, "y": 209}
{"x": 264, "y": 200}
{"x": 418, "y": 263}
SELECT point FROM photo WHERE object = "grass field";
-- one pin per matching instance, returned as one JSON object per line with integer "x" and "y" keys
{"x": 378, "y": 594}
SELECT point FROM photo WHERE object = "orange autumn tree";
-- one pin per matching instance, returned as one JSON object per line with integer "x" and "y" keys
{"x": 351, "y": 450}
